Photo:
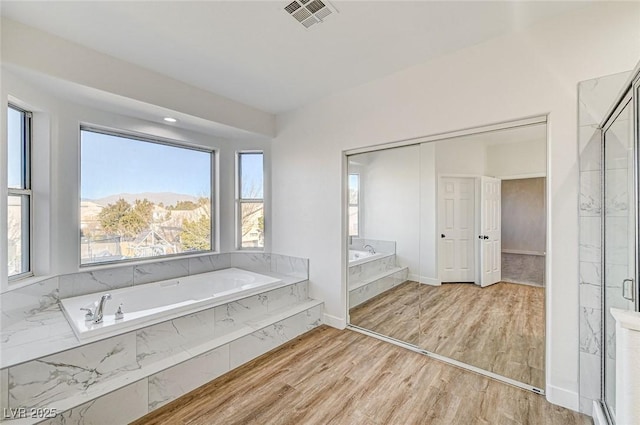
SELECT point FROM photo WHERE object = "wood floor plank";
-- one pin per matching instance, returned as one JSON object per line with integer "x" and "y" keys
{"x": 499, "y": 328}
{"x": 328, "y": 376}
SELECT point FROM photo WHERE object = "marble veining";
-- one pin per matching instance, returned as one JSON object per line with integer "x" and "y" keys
{"x": 254, "y": 261}
{"x": 119, "y": 407}
{"x": 209, "y": 263}
{"x": 590, "y": 194}
{"x": 590, "y": 335}
{"x": 154, "y": 272}
{"x": 590, "y": 296}
{"x": 617, "y": 195}
{"x": 173, "y": 337}
{"x": 233, "y": 314}
{"x": 364, "y": 271}
{"x": 288, "y": 295}
{"x": 251, "y": 346}
{"x": 72, "y": 285}
{"x": 172, "y": 383}
{"x": 28, "y": 302}
{"x": 590, "y": 239}
{"x": 595, "y": 97}
{"x": 4, "y": 389}
{"x": 39, "y": 382}
{"x": 590, "y": 273}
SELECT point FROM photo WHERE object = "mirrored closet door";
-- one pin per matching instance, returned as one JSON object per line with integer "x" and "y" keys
{"x": 447, "y": 245}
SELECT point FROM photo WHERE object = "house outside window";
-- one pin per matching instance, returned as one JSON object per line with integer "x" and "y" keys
{"x": 20, "y": 195}
{"x": 250, "y": 200}
{"x": 142, "y": 197}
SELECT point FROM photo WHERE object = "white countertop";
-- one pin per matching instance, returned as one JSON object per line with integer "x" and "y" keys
{"x": 627, "y": 319}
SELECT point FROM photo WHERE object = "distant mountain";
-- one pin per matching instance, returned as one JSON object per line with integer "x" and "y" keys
{"x": 167, "y": 198}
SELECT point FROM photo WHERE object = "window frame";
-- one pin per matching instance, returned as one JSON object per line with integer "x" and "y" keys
{"x": 240, "y": 200}
{"x": 149, "y": 138}
{"x": 357, "y": 205}
{"x": 27, "y": 190}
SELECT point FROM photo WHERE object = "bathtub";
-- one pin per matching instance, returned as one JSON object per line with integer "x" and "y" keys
{"x": 358, "y": 257}
{"x": 155, "y": 302}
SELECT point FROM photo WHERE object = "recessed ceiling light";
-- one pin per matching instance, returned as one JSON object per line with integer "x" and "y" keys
{"x": 169, "y": 119}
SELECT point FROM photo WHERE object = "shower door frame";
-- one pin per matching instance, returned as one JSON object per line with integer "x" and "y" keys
{"x": 630, "y": 93}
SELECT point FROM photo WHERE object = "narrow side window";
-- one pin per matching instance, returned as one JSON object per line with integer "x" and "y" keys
{"x": 250, "y": 200}
{"x": 19, "y": 226}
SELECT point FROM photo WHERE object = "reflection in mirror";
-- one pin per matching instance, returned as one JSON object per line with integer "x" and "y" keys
{"x": 447, "y": 248}
{"x": 387, "y": 244}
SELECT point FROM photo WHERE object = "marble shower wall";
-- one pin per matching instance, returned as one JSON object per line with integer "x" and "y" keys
{"x": 594, "y": 99}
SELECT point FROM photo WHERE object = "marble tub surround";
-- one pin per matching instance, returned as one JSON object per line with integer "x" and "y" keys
{"x": 33, "y": 325}
{"x": 166, "y": 380}
{"x": 75, "y": 380}
{"x": 594, "y": 99}
{"x": 376, "y": 286}
{"x": 365, "y": 271}
{"x": 378, "y": 245}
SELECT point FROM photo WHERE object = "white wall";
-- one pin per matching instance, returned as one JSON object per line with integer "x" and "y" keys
{"x": 56, "y": 182}
{"x": 529, "y": 73}
{"x": 460, "y": 156}
{"x": 391, "y": 201}
{"x": 517, "y": 159}
{"x": 428, "y": 215}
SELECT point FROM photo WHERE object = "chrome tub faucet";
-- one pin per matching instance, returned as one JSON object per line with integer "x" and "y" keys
{"x": 100, "y": 309}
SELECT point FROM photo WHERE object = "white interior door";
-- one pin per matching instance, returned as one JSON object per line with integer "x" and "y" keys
{"x": 490, "y": 231}
{"x": 456, "y": 206}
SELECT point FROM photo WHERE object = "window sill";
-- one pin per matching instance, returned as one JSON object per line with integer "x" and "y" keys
{"x": 24, "y": 281}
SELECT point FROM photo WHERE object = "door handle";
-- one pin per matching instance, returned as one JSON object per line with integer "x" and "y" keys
{"x": 625, "y": 291}
{"x": 485, "y": 237}
{"x": 442, "y": 235}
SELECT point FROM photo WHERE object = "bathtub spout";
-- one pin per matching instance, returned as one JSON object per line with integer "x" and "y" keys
{"x": 370, "y": 249}
{"x": 100, "y": 310}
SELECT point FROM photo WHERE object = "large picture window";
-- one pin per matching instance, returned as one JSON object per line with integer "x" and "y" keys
{"x": 250, "y": 200}
{"x": 19, "y": 191}
{"x": 142, "y": 198}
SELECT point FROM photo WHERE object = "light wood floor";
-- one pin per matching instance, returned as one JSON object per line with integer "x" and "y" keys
{"x": 499, "y": 328}
{"x": 328, "y": 376}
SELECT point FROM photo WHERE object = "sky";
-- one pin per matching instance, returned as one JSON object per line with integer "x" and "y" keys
{"x": 112, "y": 165}
{"x": 14, "y": 150}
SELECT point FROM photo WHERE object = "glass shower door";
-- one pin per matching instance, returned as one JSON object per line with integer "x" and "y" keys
{"x": 619, "y": 234}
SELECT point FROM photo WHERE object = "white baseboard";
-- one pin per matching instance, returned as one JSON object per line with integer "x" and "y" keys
{"x": 429, "y": 281}
{"x": 599, "y": 418}
{"x": 413, "y": 277}
{"x": 333, "y": 321}
{"x": 561, "y": 397}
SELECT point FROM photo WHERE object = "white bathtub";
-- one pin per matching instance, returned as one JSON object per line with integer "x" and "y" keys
{"x": 155, "y": 302}
{"x": 358, "y": 257}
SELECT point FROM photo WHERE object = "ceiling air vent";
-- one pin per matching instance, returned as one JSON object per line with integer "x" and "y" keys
{"x": 309, "y": 12}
